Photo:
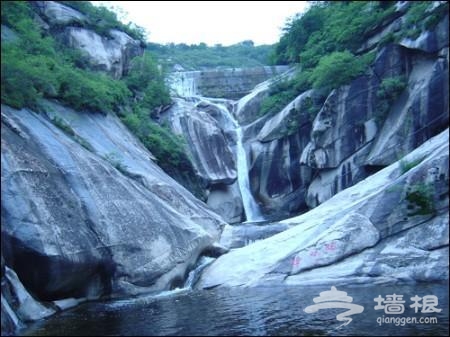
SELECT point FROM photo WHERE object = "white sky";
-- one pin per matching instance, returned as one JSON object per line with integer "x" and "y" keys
{"x": 212, "y": 22}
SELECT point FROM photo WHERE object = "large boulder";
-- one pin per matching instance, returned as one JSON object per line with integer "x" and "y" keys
{"x": 111, "y": 51}
{"x": 226, "y": 201}
{"x": 209, "y": 130}
{"x": 85, "y": 211}
{"x": 211, "y": 154}
{"x": 378, "y": 230}
{"x": 56, "y": 13}
{"x": 111, "y": 54}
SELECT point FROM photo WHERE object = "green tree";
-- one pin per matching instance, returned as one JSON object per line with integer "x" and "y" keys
{"x": 336, "y": 69}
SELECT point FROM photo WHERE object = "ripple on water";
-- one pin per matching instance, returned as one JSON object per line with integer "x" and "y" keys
{"x": 242, "y": 311}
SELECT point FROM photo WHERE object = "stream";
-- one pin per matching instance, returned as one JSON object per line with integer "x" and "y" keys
{"x": 262, "y": 311}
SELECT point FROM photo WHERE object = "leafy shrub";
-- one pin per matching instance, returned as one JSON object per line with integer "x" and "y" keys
{"x": 327, "y": 27}
{"x": 114, "y": 159}
{"x": 391, "y": 87}
{"x": 421, "y": 16}
{"x": 147, "y": 82}
{"x": 36, "y": 66}
{"x": 101, "y": 19}
{"x": 405, "y": 165}
{"x": 168, "y": 148}
{"x": 336, "y": 69}
{"x": 420, "y": 198}
{"x": 389, "y": 90}
{"x": 280, "y": 94}
{"x": 60, "y": 123}
{"x": 33, "y": 67}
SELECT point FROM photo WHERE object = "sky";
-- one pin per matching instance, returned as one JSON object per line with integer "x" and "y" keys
{"x": 211, "y": 22}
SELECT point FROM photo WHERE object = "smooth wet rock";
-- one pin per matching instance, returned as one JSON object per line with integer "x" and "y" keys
{"x": 76, "y": 223}
{"x": 238, "y": 236}
{"x": 226, "y": 201}
{"x": 370, "y": 232}
{"x": 25, "y": 306}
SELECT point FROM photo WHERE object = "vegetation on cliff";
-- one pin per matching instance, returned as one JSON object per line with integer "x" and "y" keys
{"x": 325, "y": 42}
{"x": 35, "y": 65}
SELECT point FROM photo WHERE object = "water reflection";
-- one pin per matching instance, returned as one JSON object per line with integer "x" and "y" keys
{"x": 249, "y": 311}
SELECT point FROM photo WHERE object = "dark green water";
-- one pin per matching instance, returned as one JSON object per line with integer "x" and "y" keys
{"x": 252, "y": 311}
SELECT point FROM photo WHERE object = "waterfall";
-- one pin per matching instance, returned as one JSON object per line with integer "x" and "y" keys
{"x": 251, "y": 208}
{"x": 194, "y": 274}
{"x": 184, "y": 85}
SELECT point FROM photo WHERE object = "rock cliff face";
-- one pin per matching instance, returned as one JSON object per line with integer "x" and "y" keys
{"x": 352, "y": 134}
{"x": 322, "y": 143}
{"x": 111, "y": 54}
{"x": 86, "y": 213}
{"x": 393, "y": 226}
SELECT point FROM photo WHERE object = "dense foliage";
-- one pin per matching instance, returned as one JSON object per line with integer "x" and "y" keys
{"x": 389, "y": 90}
{"x": 169, "y": 149}
{"x": 201, "y": 56}
{"x": 146, "y": 81}
{"x": 101, "y": 20}
{"x": 35, "y": 66}
{"x": 325, "y": 41}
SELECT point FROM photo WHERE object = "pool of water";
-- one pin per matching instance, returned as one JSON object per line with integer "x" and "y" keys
{"x": 258, "y": 311}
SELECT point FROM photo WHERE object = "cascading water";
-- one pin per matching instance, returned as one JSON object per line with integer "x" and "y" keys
{"x": 251, "y": 208}
{"x": 194, "y": 274}
{"x": 184, "y": 85}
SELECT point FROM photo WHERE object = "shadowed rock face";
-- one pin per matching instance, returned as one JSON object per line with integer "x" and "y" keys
{"x": 298, "y": 162}
{"x": 75, "y": 226}
{"x": 391, "y": 226}
{"x": 351, "y": 133}
{"x": 322, "y": 143}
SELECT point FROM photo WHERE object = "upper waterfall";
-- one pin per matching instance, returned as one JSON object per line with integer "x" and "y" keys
{"x": 231, "y": 83}
{"x": 197, "y": 108}
{"x": 184, "y": 84}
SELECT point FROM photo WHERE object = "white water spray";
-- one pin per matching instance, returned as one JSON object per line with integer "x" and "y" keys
{"x": 184, "y": 85}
